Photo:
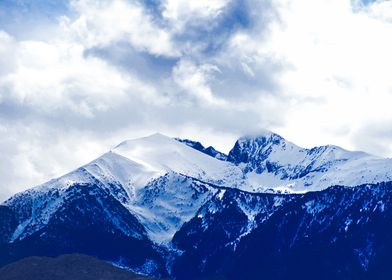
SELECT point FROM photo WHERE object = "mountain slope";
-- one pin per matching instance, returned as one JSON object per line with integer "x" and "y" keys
{"x": 124, "y": 200}
{"x": 129, "y": 173}
{"x": 338, "y": 233}
{"x": 83, "y": 218}
{"x": 8, "y": 224}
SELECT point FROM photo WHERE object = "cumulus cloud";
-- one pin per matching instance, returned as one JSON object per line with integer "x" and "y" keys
{"x": 105, "y": 22}
{"x": 95, "y": 72}
{"x": 181, "y": 13}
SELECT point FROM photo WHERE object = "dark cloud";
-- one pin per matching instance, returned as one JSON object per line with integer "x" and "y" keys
{"x": 147, "y": 67}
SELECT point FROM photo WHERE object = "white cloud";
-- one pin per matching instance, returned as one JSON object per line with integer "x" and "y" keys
{"x": 50, "y": 75}
{"x": 194, "y": 80}
{"x": 105, "y": 22}
{"x": 34, "y": 153}
{"x": 336, "y": 60}
{"x": 182, "y": 12}
{"x": 380, "y": 10}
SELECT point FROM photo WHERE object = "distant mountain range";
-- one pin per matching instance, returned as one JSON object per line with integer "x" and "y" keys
{"x": 172, "y": 208}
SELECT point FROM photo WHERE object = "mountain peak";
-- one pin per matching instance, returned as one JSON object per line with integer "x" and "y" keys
{"x": 263, "y": 137}
{"x": 260, "y": 145}
{"x": 156, "y": 137}
{"x": 160, "y": 154}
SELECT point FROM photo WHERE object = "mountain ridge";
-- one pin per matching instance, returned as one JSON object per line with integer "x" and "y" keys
{"x": 135, "y": 165}
{"x": 162, "y": 207}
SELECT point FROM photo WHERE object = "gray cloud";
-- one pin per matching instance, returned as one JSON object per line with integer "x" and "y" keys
{"x": 376, "y": 138}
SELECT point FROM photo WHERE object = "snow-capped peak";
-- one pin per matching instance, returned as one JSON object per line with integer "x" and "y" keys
{"x": 257, "y": 163}
{"x": 161, "y": 154}
{"x": 263, "y": 136}
{"x": 270, "y": 160}
{"x": 253, "y": 149}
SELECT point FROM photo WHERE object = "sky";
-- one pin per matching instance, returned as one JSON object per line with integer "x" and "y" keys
{"x": 77, "y": 77}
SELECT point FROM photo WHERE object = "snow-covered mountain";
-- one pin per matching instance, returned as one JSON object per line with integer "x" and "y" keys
{"x": 170, "y": 200}
{"x": 134, "y": 168}
{"x": 271, "y": 162}
{"x": 154, "y": 178}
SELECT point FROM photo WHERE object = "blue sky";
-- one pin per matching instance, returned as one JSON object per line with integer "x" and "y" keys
{"x": 77, "y": 77}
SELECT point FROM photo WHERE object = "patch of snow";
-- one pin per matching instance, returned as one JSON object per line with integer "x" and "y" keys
{"x": 221, "y": 193}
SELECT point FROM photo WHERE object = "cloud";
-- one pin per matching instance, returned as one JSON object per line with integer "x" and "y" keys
{"x": 77, "y": 78}
{"x": 181, "y": 13}
{"x": 56, "y": 77}
{"x": 194, "y": 80}
{"x": 374, "y": 137}
{"x": 380, "y": 10}
{"x": 335, "y": 57}
{"x": 105, "y": 22}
